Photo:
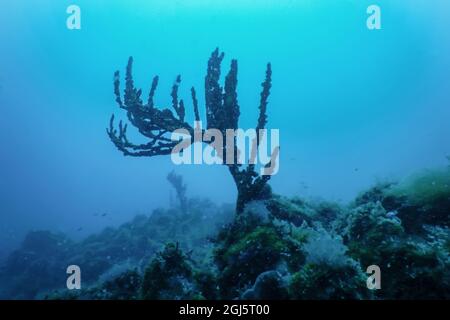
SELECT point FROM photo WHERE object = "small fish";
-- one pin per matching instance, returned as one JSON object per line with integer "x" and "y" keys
{"x": 391, "y": 214}
{"x": 79, "y": 229}
{"x": 104, "y": 214}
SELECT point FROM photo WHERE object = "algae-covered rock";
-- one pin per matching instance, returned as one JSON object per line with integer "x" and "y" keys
{"x": 278, "y": 248}
{"x": 325, "y": 248}
{"x": 370, "y": 225}
{"x": 269, "y": 285}
{"x": 249, "y": 247}
{"x": 412, "y": 257}
{"x": 295, "y": 211}
{"x": 169, "y": 276}
{"x": 324, "y": 282}
{"x": 40, "y": 262}
{"x": 125, "y": 286}
{"x": 425, "y": 199}
{"x": 241, "y": 262}
{"x": 413, "y": 270}
{"x": 329, "y": 273}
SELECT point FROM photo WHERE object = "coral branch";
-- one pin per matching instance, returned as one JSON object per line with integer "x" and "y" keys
{"x": 180, "y": 187}
{"x": 150, "y": 102}
{"x": 267, "y": 84}
{"x": 195, "y": 102}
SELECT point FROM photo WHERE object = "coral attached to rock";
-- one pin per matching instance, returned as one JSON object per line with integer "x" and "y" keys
{"x": 278, "y": 248}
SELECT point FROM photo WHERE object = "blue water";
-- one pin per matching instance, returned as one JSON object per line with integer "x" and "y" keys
{"x": 353, "y": 105}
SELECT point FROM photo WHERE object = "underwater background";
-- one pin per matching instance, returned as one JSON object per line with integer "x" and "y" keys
{"x": 364, "y": 164}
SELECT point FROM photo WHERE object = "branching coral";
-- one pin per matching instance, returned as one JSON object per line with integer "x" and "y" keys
{"x": 222, "y": 113}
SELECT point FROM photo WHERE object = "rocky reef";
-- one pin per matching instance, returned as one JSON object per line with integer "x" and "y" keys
{"x": 280, "y": 248}
{"x": 39, "y": 265}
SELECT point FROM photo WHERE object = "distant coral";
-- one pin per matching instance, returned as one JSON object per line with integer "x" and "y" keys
{"x": 180, "y": 187}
